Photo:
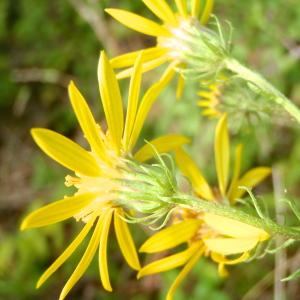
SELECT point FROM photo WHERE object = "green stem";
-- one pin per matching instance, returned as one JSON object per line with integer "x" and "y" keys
{"x": 266, "y": 224}
{"x": 272, "y": 93}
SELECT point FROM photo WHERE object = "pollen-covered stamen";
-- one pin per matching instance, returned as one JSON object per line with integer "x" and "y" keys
{"x": 179, "y": 42}
{"x": 201, "y": 50}
{"x": 72, "y": 181}
{"x": 106, "y": 187}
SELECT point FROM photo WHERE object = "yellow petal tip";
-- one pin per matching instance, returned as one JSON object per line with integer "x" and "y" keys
{"x": 142, "y": 249}
{"x": 108, "y": 289}
{"x": 38, "y": 284}
{"x": 139, "y": 275}
{"x": 23, "y": 226}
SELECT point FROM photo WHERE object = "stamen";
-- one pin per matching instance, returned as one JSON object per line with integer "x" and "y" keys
{"x": 72, "y": 181}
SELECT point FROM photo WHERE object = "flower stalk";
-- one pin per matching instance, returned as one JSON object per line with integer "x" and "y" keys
{"x": 205, "y": 54}
{"x": 151, "y": 190}
{"x": 264, "y": 87}
{"x": 199, "y": 205}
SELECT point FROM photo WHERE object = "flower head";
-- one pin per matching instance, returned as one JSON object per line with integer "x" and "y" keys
{"x": 99, "y": 172}
{"x": 174, "y": 35}
{"x": 207, "y": 234}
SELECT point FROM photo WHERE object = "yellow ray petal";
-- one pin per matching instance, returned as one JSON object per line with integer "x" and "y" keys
{"x": 168, "y": 74}
{"x": 222, "y": 271}
{"x": 103, "y": 250}
{"x": 211, "y": 113}
{"x": 228, "y": 246}
{"x": 147, "y": 102}
{"x": 233, "y": 228}
{"x": 85, "y": 260}
{"x": 184, "y": 272}
{"x": 66, "y": 152}
{"x": 146, "y": 66}
{"x": 205, "y": 94}
{"x": 125, "y": 240}
{"x": 67, "y": 253}
{"x": 111, "y": 100}
{"x": 171, "y": 237}
{"x": 138, "y": 23}
{"x": 223, "y": 260}
{"x": 92, "y": 131}
{"x": 207, "y": 11}
{"x": 182, "y": 8}
{"x": 162, "y": 10}
{"x": 133, "y": 98}
{"x": 57, "y": 211}
{"x": 196, "y": 6}
{"x": 128, "y": 59}
{"x": 222, "y": 153}
{"x": 170, "y": 262}
{"x": 163, "y": 144}
{"x": 145, "y": 106}
{"x": 180, "y": 87}
{"x": 193, "y": 173}
{"x": 251, "y": 179}
{"x": 204, "y": 103}
{"x": 236, "y": 171}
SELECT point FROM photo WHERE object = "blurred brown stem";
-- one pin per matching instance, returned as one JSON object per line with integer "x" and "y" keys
{"x": 93, "y": 17}
{"x": 41, "y": 75}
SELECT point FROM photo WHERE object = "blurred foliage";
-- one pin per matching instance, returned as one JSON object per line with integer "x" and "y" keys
{"x": 44, "y": 44}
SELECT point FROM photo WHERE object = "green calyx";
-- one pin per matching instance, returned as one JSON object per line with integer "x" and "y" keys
{"x": 205, "y": 55}
{"x": 200, "y": 50}
{"x": 151, "y": 190}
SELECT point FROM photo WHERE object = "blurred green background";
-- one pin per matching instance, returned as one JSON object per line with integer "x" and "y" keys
{"x": 45, "y": 44}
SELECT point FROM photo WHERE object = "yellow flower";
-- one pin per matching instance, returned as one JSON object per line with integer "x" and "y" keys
{"x": 168, "y": 33}
{"x": 98, "y": 171}
{"x": 228, "y": 192}
{"x": 205, "y": 233}
{"x": 210, "y": 100}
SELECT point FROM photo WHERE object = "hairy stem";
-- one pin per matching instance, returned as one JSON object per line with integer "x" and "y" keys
{"x": 266, "y": 224}
{"x": 264, "y": 86}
